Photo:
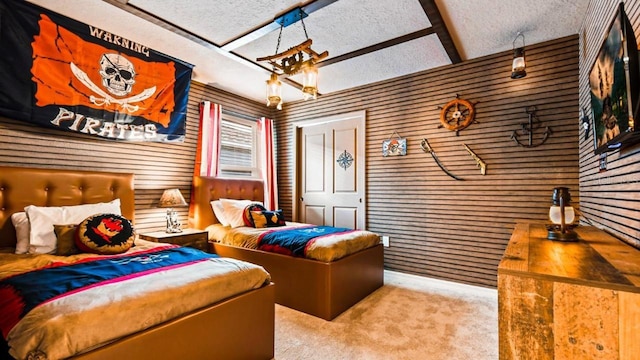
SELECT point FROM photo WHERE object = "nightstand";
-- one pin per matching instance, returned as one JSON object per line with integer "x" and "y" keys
{"x": 188, "y": 237}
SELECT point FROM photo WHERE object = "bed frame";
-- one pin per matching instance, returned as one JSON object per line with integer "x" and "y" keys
{"x": 240, "y": 327}
{"x": 322, "y": 289}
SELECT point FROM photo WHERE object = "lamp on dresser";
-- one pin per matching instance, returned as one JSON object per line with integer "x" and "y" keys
{"x": 562, "y": 215}
{"x": 170, "y": 199}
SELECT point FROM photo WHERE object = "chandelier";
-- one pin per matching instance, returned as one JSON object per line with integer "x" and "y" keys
{"x": 299, "y": 58}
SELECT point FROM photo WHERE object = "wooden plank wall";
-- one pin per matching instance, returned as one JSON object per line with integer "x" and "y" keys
{"x": 610, "y": 199}
{"x": 440, "y": 227}
{"x": 157, "y": 166}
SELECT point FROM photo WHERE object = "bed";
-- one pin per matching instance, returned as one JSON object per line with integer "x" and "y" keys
{"x": 214, "y": 330}
{"x": 319, "y": 288}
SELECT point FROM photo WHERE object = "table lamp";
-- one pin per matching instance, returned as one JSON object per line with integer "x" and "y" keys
{"x": 562, "y": 216}
{"x": 172, "y": 198}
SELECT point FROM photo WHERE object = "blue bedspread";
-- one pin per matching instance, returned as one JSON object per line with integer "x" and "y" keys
{"x": 294, "y": 241}
{"x": 21, "y": 293}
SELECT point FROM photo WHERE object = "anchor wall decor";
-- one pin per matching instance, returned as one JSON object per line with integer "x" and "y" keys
{"x": 529, "y": 128}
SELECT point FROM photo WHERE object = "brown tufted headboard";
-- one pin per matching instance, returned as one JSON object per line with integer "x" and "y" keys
{"x": 21, "y": 186}
{"x": 206, "y": 189}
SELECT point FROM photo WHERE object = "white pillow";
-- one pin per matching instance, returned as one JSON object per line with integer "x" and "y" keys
{"x": 20, "y": 221}
{"x": 234, "y": 209}
{"x": 218, "y": 210}
{"x": 42, "y": 238}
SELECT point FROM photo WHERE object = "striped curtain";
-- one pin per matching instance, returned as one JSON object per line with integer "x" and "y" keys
{"x": 268, "y": 165}
{"x": 208, "y": 150}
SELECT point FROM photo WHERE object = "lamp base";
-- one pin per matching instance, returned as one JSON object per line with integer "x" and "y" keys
{"x": 555, "y": 233}
{"x": 173, "y": 224}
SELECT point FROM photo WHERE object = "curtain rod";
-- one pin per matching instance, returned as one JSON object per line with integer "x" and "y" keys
{"x": 240, "y": 115}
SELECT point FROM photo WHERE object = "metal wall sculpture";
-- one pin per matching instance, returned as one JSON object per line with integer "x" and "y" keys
{"x": 529, "y": 128}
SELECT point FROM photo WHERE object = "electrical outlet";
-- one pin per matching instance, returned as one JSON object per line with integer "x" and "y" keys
{"x": 385, "y": 241}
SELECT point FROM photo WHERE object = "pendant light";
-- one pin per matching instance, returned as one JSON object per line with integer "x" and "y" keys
{"x": 299, "y": 58}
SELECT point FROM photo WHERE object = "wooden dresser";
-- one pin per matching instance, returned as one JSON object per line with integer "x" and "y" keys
{"x": 577, "y": 300}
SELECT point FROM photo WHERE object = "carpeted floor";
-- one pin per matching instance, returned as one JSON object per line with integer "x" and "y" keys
{"x": 410, "y": 317}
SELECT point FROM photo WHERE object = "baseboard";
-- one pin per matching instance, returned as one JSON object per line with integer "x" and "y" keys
{"x": 444, "y": 284}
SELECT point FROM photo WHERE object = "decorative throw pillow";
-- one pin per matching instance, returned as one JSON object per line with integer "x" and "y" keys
{"x": 42, "y": 239}
{"x": 246, "y": 215}
{"x": 66, "y": 243}
{"x": 234, "y": 211}
{"x": 268, "y": 218}
{"x": 105, "y": 234}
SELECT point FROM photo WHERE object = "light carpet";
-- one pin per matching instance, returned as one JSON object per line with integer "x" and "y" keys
{"x": 410, "y": 317}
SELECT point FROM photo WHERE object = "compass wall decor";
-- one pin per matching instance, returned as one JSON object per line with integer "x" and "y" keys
{"x": 345, "y": 160}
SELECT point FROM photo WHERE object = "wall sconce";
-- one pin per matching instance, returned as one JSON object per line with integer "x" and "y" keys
{"x": 562, "y": 216}
{"x": 172, "y": 198}
{"x": 519, "y": 65}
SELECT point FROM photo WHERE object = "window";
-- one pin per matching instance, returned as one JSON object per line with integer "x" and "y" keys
{"x": 238, "y": 147}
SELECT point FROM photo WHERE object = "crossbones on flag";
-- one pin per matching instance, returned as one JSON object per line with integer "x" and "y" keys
{"x": 60, "y": 73}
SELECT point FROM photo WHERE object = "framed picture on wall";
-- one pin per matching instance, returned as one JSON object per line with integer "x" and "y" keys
{"x": 394, "y": 147}
{"x": 615, "y": 81}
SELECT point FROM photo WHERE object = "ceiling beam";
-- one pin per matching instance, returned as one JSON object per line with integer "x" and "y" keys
{"x": 265, "y": 28}
{"x": 431, "y": 9}
{"x": 379, "y": 46}
{"x": 251, "y": 35}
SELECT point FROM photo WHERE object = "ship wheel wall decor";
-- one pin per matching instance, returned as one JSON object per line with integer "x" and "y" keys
{"x": 457, "y": 114}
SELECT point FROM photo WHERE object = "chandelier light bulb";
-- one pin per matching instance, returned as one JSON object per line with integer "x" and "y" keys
{"x": 274, "y": 92}
{"x": 309, "y": 81}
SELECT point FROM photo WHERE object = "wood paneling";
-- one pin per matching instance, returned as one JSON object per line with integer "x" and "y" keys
{"x": 157, "y": 166}
{"x": 440, "y": 227}
{"x": 611, "y": 199}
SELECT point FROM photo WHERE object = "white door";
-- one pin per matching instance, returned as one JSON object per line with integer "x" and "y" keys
{"x": 330, "y": 171}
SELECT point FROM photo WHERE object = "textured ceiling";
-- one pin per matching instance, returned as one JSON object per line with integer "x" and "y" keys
{"x": 341, "y": 28}
{"x": 367, "y": 40}
{"x": 486, "y": 27}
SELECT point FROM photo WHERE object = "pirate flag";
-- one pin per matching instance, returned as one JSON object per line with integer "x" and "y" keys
{"x": 59, "y": 73}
